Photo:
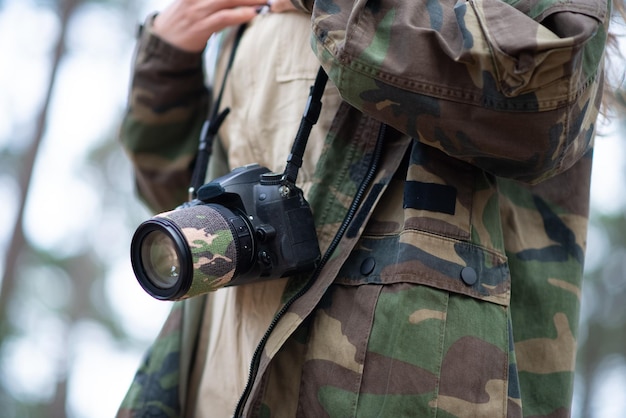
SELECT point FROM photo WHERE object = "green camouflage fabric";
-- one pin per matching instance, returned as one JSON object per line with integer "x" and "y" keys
{"x": 526, "y": 73}
{"x": 455, "y": 291}
{"x": 160, "y": 131}
{"x": 159, "y": 381}
{"x": 155, "y": 387}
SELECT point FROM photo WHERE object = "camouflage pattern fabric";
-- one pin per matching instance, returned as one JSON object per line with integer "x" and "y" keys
{"x": 161, "y": 128}
{"x": 525, "y": 74}
{"x": 455, "y": 291}
{"x": 211, "y": 241}
{"x": 155, "y": 387}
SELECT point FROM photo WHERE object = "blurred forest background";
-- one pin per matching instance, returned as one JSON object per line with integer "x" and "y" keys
{"x": 73, "y": 321}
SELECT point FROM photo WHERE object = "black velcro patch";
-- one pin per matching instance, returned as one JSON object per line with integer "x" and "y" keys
{"x": 430, "y": 196}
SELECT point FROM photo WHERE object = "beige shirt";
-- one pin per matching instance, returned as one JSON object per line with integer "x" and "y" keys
{"x": 266, "y": 91}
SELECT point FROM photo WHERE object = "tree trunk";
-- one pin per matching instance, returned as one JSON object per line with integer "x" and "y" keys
{"x": 18, "y": 244}
{"x": 24, "y": 176}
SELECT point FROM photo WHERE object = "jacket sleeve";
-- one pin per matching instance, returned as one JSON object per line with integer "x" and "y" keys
{"x": 512, "y": 87}
{"x": 168, "y": 103}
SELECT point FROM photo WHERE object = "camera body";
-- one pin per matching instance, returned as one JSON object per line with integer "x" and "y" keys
{"x": 285, "y": 241}
{"x": 246, "y": 226}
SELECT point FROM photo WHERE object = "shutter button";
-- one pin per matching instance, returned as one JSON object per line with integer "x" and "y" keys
{"x": 367, "y": 266}
{"x": 469, "y": 276}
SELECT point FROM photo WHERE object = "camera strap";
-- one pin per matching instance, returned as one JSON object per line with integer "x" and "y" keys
{"x": 211, "y": 126}
{"x": 309, "y": 118}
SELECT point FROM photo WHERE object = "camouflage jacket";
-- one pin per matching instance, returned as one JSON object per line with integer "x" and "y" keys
{"x": 455, "y": 288}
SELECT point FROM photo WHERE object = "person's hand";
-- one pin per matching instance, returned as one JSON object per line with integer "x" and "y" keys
{"x": 188, "y": 24}
{"x": 278, "y": 6}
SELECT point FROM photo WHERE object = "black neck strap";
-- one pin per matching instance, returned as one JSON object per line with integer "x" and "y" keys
{"x": 309, "y": 118}
{"x": 211, "y": 126}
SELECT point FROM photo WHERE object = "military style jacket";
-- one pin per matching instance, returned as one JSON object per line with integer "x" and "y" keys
{"x": 451, "y": 195}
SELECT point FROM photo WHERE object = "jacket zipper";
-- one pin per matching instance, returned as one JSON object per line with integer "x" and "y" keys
{"x": 365, "y": 183}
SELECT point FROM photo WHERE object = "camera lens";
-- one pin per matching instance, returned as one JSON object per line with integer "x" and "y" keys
{"x": 191, "y": 250}
{"x": 160, "y": 260}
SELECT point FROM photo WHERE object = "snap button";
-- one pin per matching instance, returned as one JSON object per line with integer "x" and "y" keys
{"x": 469, "y": 276}
{"x": 367, "y": 266}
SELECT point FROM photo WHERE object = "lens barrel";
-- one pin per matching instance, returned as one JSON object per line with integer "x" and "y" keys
{"x": 191, "y": 250}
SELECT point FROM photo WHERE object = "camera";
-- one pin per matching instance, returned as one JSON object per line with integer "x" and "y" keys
{"x": 246, "y": 226}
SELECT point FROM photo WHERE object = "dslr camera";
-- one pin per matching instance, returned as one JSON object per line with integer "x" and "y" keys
{"x": 246, "y": 226}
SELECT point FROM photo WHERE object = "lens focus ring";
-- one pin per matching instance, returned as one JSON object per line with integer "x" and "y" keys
{"x": 190, "y": 251}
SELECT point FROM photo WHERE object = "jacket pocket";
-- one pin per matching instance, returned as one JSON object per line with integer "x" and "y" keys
{"x": 396, "y": 335}
{"x": 417, "y": 321}
{"x": 531, "y": 55}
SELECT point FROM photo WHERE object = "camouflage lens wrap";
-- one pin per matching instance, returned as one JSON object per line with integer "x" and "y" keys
{"x": 213, "y": 247}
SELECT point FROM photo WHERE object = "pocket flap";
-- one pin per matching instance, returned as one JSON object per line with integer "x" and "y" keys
{"x": 419, "y": 257}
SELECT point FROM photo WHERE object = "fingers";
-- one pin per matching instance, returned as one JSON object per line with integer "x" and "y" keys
{"x": 222, "y": 19}
{"x": 188, "y": 24}
{"x": 279, "y": 6}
